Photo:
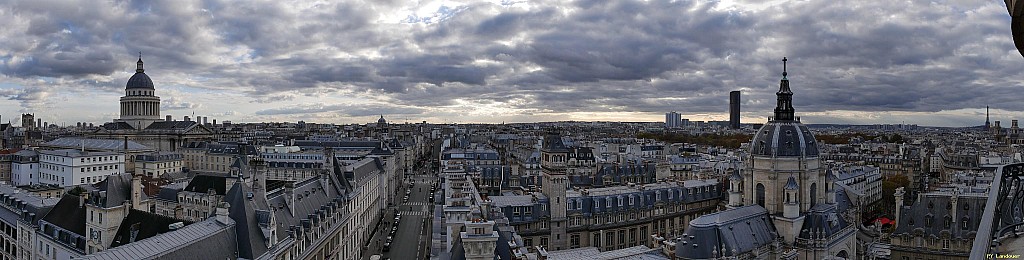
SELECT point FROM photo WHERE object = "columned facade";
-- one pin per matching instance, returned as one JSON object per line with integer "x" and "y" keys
{"x": 139, "y": 105}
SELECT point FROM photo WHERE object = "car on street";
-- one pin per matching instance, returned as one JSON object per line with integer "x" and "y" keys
{"x": 387, "y": 246}
{"x": 405, "y": 199}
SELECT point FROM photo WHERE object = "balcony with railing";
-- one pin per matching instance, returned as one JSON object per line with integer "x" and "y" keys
{"x": 1000, "y": 230}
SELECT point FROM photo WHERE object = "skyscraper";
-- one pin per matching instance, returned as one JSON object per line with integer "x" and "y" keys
{"x": 673, "y": 120}
{"x": 734, "y": 110}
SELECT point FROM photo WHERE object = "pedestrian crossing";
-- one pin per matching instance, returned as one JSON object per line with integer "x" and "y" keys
{"x": 416, "y": 203}
{"x": 414, "y": 213}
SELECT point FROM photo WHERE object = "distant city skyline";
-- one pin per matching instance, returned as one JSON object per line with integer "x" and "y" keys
{"x": 869, "y": 62}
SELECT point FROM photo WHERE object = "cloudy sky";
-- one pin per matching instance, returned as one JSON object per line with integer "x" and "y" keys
{"x": 865, "y": 62}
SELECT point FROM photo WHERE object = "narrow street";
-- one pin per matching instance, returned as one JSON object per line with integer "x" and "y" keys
{"x": 411, "y": 240}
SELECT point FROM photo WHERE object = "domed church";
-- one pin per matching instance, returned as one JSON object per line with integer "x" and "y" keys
{"x": 140, "y": 118}
{"x": 783, "y": 199}
{"x": 140, "y": 106}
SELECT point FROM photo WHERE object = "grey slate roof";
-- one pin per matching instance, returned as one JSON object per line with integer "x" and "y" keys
{"x": 67, "y": 215}
{"x": 822, "y": 220}
{"x": 515, "y": 200}
{"x": 735, "y": 175}
{"x": 118, "y": 189}
{"x": 170, "y": 192}
{"x": 784, "y": 138}
{"x": 76, "y": 153}
{"x": 553, "y": 143}
{"x": 202, "y": 183}
{"x": 96, "y": 144}
{"x": 735, "y": 231}
{"x": 139, "y": 225}
{"x": 243, "y": 211}
{"x": 208, "y": 239}
{"x": 640, "y": 252}
{"x": 791, "y": 184}
{"x": 937, "y": 206}
{"x": 171, "y": 125}
{"x": 35, "y": 207}
{"x": 312, "y": 196}
{"x": 118, "y": 126}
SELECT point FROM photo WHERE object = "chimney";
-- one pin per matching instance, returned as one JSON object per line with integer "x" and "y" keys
{"x": 39, "y": 123}
{"x": 137, "y": 192}
{"x": 186, "y": 119}
{"x": 289, "y": 196}
{"x": 169, "y": 119}
{"x": 1013, "y": 123}
{"x": 81, "y": 198}
{"x": 222, "y": 213}
{"x": 215, "y": 122}
{"x": 205, "y": 119}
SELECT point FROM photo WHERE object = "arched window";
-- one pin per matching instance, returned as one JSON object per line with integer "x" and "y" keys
{"x": 842, "y": 254}
{"x": 966, "y": 222}
{"x": 948, "y": 221}
{"x": 814, "y": 194}
{"x": 760, "y": 194}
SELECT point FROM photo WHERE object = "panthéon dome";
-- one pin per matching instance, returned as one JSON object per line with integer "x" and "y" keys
{"x": 140, "y": 80}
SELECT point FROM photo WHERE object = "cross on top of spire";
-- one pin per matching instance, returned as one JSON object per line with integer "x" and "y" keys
{"x": 784, "y": 59}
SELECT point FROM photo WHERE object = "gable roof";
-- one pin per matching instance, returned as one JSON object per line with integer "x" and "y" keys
{"x": 243, "y": 211}
{"x": 116, "y": 126}
{"x": 207, "y": 239}
{"x": 68, "y": 215}
{"x": 139, "y": 225}
{"x": 202, "y": 183}
{"x": 96, "y": 144}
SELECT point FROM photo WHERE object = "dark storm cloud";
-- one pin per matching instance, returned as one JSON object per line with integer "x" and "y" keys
{"x": 354, "y": 110}
{"x": 555, "y": 56}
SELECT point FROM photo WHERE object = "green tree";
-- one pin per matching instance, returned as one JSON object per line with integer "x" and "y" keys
{"x": 889, "y": 185}
{"x": 896, "y": 138}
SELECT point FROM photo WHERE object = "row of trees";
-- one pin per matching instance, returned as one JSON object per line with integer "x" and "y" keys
{"x": 723, "y": 140}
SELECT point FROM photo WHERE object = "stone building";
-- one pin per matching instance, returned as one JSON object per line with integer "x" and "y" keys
{"x": 939, "y": 225}
{"x": 140, "y": 119}
{"x": 784, "y": 176}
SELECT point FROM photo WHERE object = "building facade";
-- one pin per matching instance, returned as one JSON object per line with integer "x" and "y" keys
{"x": 70, "y": 167}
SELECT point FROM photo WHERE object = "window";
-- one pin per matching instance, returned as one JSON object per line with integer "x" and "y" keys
{"x": 760, "y": 194}
{"x": 966, "y": 222}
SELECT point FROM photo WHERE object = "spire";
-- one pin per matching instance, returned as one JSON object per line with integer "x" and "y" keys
{"x": 987, "y": 124}
{"x": 784, "y": 108}
{"x": 783, "y": 65}
{"x": 139, "y": 69}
